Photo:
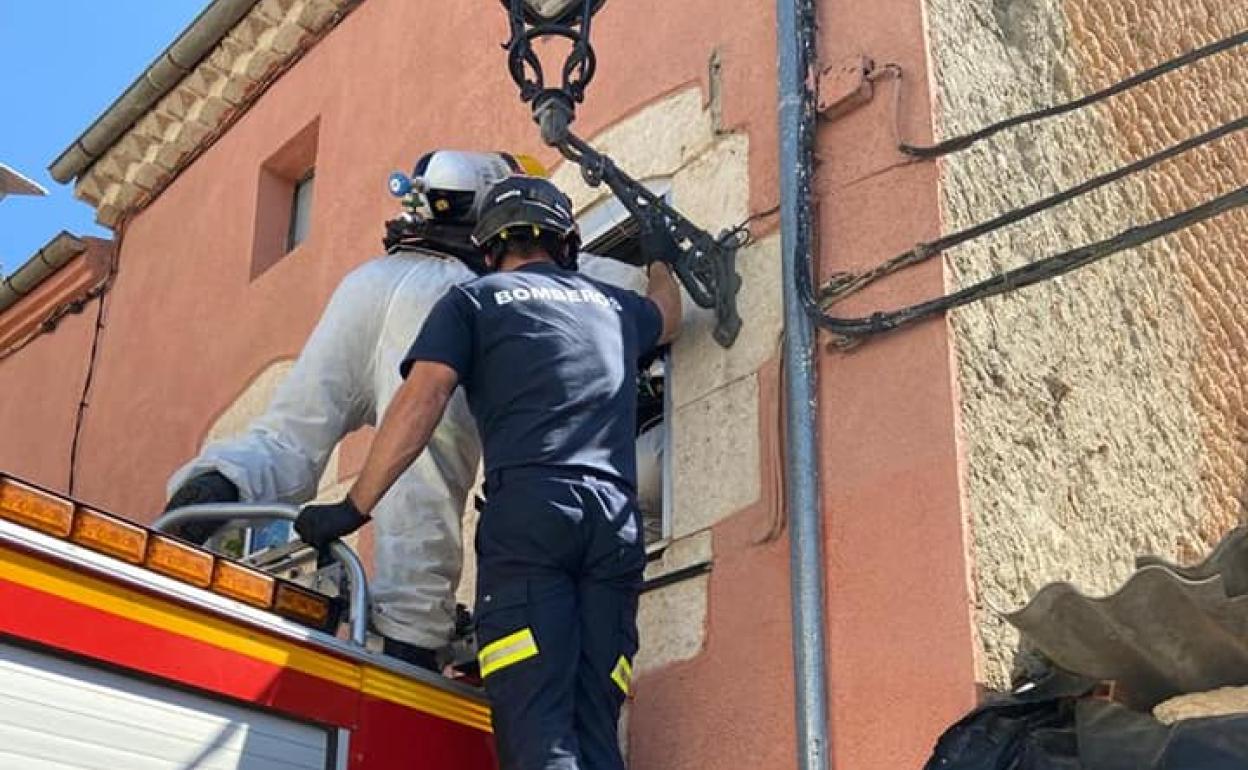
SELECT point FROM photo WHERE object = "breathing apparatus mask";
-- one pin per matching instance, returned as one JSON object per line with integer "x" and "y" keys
{"x": 441, "y": 197}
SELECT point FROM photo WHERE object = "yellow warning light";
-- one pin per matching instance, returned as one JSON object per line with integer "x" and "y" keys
{"x": 246, "y": 585}
{"x": 35, "y": 509}
{"x": 106, "y": 534}
{"x": 300, "y": 604}
{"x": 169, "y": 557}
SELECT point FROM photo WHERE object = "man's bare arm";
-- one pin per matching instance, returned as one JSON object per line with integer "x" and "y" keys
{"x": 664, "y": 292}
{"x": 405, "y": 430}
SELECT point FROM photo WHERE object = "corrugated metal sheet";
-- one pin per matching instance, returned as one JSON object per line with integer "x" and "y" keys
{"x": 1228, "y": 559}
{"x": 1169, "y": 630}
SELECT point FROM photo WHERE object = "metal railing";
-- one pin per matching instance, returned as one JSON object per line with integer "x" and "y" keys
{"x": 357, "y": 582}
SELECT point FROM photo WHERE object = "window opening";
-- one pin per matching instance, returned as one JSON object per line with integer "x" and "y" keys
{"x": 300, "y": 211}
{"x": 285, "y": 199}
{"x": 610, "y": 231}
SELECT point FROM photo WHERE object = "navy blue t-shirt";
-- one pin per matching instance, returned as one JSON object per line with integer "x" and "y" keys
{"x": 548, "y": 359}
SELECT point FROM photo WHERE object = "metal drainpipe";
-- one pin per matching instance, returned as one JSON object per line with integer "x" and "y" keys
{"x": 796, "y": 37}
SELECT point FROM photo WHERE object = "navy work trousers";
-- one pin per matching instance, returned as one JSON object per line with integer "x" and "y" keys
{"x": 560, "y": 560}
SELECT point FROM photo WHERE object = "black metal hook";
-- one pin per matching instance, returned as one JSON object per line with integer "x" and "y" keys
{"x": 705, "y": 266}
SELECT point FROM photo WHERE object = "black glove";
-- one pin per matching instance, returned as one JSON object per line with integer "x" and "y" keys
{"x": 320, "y": 525}
{"x": 211, "y": 487}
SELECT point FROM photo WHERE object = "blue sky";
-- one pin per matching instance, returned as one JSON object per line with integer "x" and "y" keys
{"x": 62, "y": 63}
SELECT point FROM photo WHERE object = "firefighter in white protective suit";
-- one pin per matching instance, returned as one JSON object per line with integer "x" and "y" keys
{"x": 345, "y": 377}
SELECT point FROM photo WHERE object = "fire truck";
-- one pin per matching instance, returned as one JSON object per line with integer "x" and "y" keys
{"x": 123, "y": 647}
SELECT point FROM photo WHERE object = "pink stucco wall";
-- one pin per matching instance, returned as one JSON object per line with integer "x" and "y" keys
{"x": 41, "y": 385}
{"x": 898, "y": 585}
{"x": 41, "y": 388}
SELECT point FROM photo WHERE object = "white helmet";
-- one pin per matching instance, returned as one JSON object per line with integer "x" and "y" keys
{"x": 446, "y": 184}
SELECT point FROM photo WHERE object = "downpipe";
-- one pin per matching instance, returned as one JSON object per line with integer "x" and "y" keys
{"x": 796, "y": 38}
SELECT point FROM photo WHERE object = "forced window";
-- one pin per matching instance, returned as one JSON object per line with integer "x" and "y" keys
{"x": 609, "y": 230}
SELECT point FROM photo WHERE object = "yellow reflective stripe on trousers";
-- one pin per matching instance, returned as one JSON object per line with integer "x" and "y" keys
{"x": 622, "y": 674}
{"x": 507, "y": 651}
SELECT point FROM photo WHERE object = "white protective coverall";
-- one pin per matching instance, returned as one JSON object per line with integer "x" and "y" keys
{"x": 344, "y": 378}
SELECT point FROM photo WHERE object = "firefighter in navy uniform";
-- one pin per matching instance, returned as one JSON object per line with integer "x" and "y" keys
{"x": 548, "y": 359}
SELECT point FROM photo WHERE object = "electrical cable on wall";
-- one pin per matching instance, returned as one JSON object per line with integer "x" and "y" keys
{"x": 100, "y": 292}
{"x": 959, "y": 143}
{"x": 50, "y": 322}
{"x": 1033, "y": 273}
{"x": 842, "y": 285}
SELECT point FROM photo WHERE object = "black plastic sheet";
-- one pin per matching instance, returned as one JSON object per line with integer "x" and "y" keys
{"x": 1054, "y": 725}
{"x": 1032, "y": 728}
{"x": 1113, "y": 737}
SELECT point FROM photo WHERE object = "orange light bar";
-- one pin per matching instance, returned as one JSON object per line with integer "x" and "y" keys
{"x": 169, "y": 557}
{"x": 246, "y": 585}
{"x": 301, "y": 604}
{"x": 37, "y": 510}
{"x": 106, "y": 534}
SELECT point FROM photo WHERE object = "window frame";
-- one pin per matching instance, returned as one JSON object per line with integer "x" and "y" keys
{"x": 306, "y": 181}
{"x": 282, "y": 180}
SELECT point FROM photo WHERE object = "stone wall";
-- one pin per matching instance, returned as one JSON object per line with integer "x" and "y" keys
{"x": 716, "y": 463}
{"x": 1102, "y": 414}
